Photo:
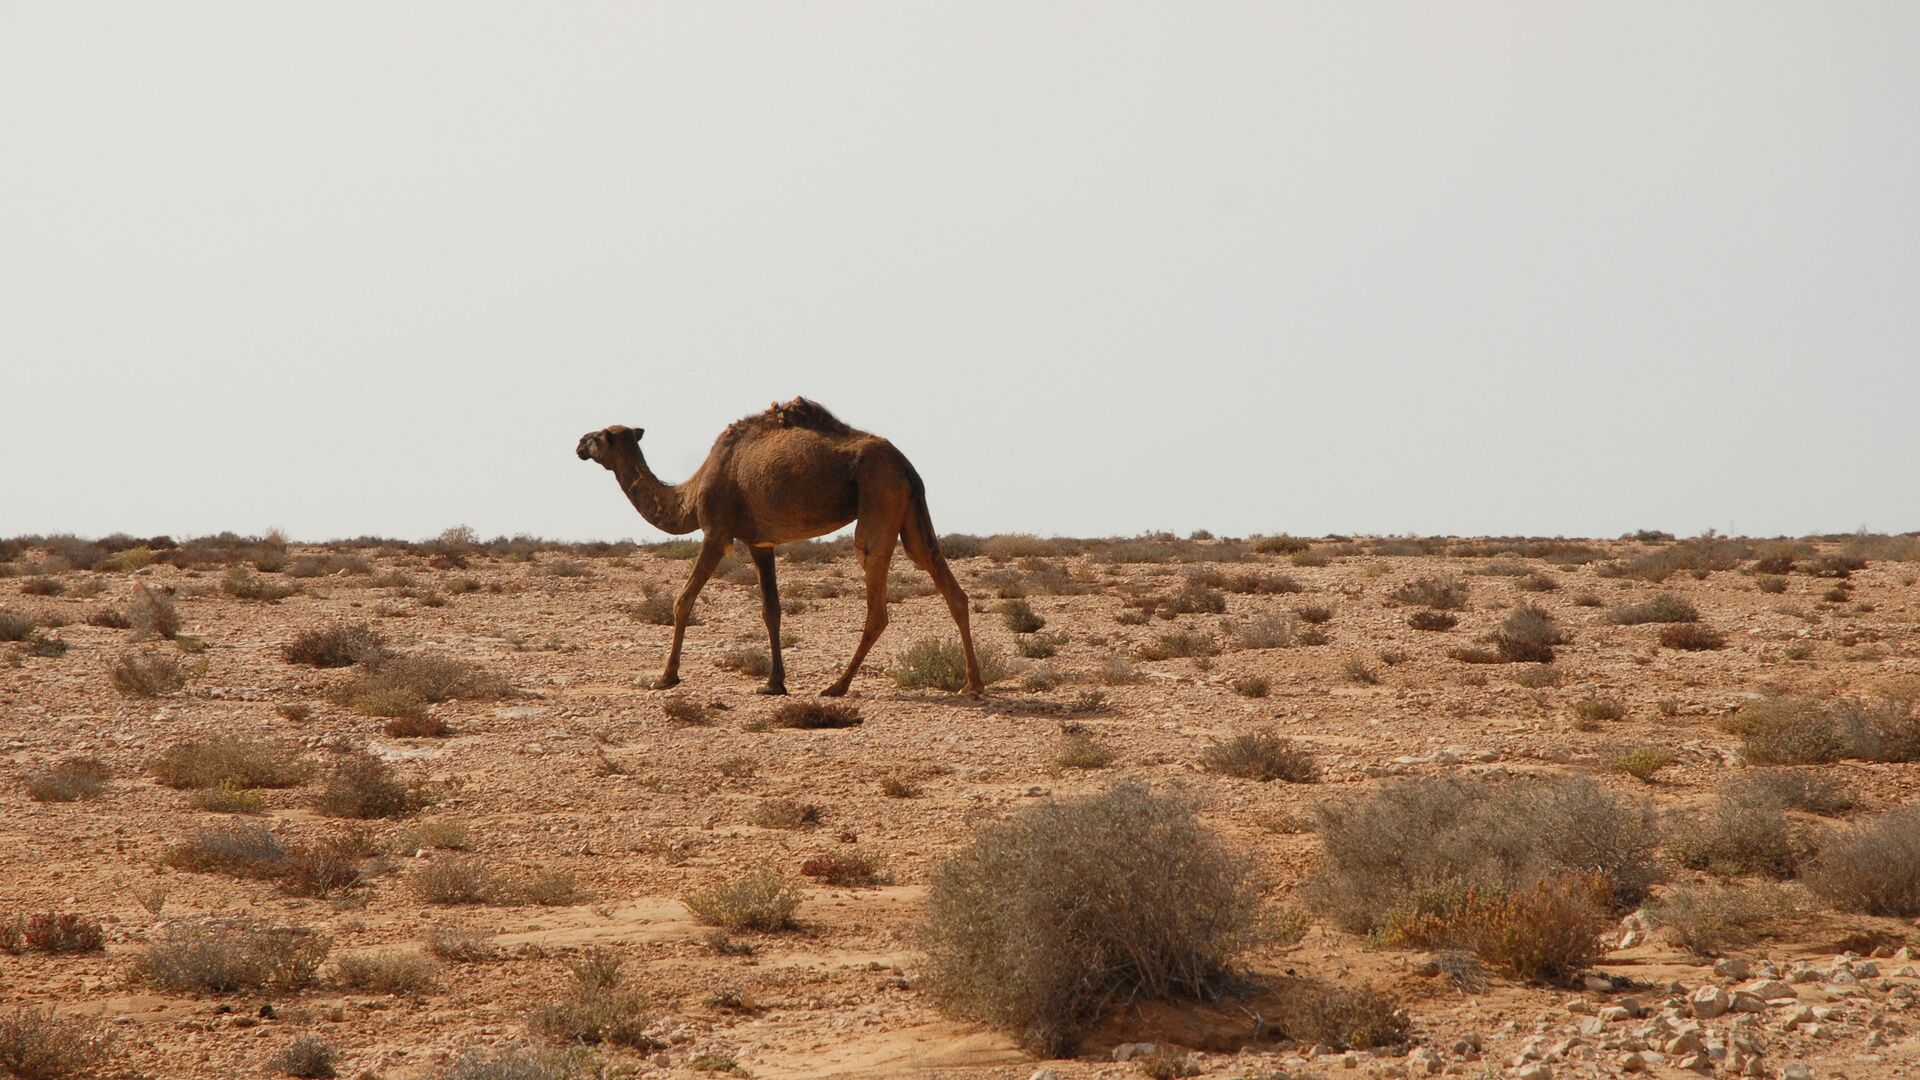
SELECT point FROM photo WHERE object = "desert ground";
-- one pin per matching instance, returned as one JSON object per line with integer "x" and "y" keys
{"x": 594, "y": 804}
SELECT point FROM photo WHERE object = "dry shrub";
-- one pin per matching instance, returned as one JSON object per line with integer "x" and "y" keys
{"x": 1311, "y": 1012}
{"x": 1117, "y": 671}
{"x": 37, "y": 1044}
{"x": 393, "y": 972}
{"x": 1709, "y": 921}
{"x": 1691, "y": 637}
{"x": 844, "y": 871}
{"x": 325, "y": 867}
{"x": 1049, "y": 920}
{"x": 1528, "y": 635}
{"x": 1880, "y": 729}
{"x": 1641, "y": 762}
{"x": 109, "y": 619}
{"x": 1250, "y": 583}
{"x": 43, "y": 586}
{"x": 416, "y": 725}
{"x": 1539, "y": 676}
{"x": 1785, "y": 730}
{"x": 223, "y": 956}
{"x": 432, "y": 679}
{"x": 1314, "y": 614}
{"x": 242, "y": 584}
{"x": 1536, "y": 581}
{"x": 362, "y": 786}
{"x": 1442, "y": 593}
{"x": 69, "y": 780}
{"x": 1873, "y": 868}
{"x": 460, "y": 945}
{"x": 1546, "y": 932}
{"x": 1274, "y": 630}
{"x": 307, "y": 1056}
{"x": 1262, "y": 756}
{"x": 940, "y": 664}
{"x": 1186, "y": 643}
{"x": 1020, "y": 616}
{"x": 761, "y": 900}
{"x": 816, "y": 714}
{"x": 786, "y": 814}
{"x": 153, "y": 614}
{"x": 1280, "y": 545}
{"x": 147, "y": 675}
{"x": 1433, "y": 620}
{"x": 1745, "y": 830}
{"x": 1083, "y": 752}
{"x": 896, "y": 787}
{"x": 336, "y": 646}
{"x": 15, "y": 626}
{"x": 1796, "y": 789}
{"x": 330, "y": 564}
{"x": 1356, "y": 670}
{"x": 1590, "y": 712}
{"x": 230, "y": 762}
{"x": 1770, "y": 583}
{"x": 683, "y": 710}
{"x": 1038, "y": 646}
{"x": 1252, "y": 686}
{"x": 1441, "y": 836}
{"x": 757, "y": 663}
{"x": 598, "y": 1009}
{"x": 519, "y": 1063}
{"x": 1663, "y": 608}
{"x": 453, "y": 881}
{"x": 240, "y": 849}
{"x": 50, "y": 932}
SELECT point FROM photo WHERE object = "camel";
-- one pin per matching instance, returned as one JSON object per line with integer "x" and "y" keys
{"x": 791, "y": 473}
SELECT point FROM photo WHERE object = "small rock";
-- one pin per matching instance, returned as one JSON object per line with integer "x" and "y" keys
{"x": 1695, "y": 1063}
{"x": 1731, "y": 967}
{"x": 1536, "y": 1071}
{"x": 1424, "y": 1062}
{"x": 1744, "y": 1002}
{"x": 1770, "y": 989}
{"x": 1129, "y": 1051}
{"x": 1796, "y": 1071}
{"x": 1709, "y": 1002}
{"x": 1599, "y": 984}
{"x": 1044, "y": 1074}
{"x": 1632, "y": 1062}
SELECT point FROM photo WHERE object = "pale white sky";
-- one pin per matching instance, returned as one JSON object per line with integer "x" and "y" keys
{"x": 1097, "y": 268}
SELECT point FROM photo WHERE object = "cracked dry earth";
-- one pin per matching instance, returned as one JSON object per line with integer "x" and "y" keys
{"x": 580, "y": 771}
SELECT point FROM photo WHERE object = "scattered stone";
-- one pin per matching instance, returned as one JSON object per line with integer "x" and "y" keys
{"x": 1796, "y": 1071}
{"x": 1424, "y": 1062}
{"x": 1129, "y": 1051}
{"x": 1536, "y": 1071}
{"x": 1044, "y": 1074}
{"x": 1632, "y": 1062}
{"x": 1709, "y": 1002}
{"x": 1770, "y": 989}
{"x": 1729, "y": 967}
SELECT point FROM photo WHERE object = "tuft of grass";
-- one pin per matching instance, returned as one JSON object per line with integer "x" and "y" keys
{"x": 598, "y": 1009}
{"x": 147, "y": 675}
{"x": 1117, "y": 671}
{"x": 1786, "y": 730}
{"x": 1274, "y": 630}
{"x": 1712, "y": 920}
{"x": 454, "y": 881}
{"x": 308, "y": 1056}
{"x": 1252, "y": 686}
{"x": 1433, "y": 620}
{"x": 843, "y": 871}
{"x": 1873, "y": 868}
{"x": 786, "y": 814}
{"x": 230, "y": 762}
{"x": 760, "y": 900}
{"x": 1745, "y": 830}
{"x": 223, "y": 956}
{"x": 940, "y": 664}
{"x": 1589, "y": 713}
{"x": 1020, "y": 616}
{"x": 242, "y": 584}
{"x": 1314, "y": 614}
{"x": 416, "y": 725}
{"x": 685, "y": 711}
{"x": 362, "y": 786}
{"x": 1042, "y": 924}
{"x": 1641, "y": 762}
{"x": 753, "y": 662}
{"x": 1037, "y": 646}
{"x": 460, "y": 945}
{"x": 1182, "y": 643}
{"x": 1663, "y": 608}
{"x": 432, "y": 679}
{"x": 1342, "y": 1017}
{"x": 809, "y": 714}
{"x": 1262, "y": 756}
{"x": 230, "y": 801}
{"x": 1691, "y": 637}
{"x": 897, "y": 787}
{"x": 43, "y": 586}
{"x": 1083, "y": 752}
{"x": 15, "y": 626}
{"x": 37, "y": 1044}
{"x": 240, "y": 849}
{"x": 1528, "y": 635}
{"x": 1440, "y": 593}
{"x": 1539, "y": 676}
{"x": 518, "y": 1063}
{"x": 337, "y": 646}
{"x": 1805, "y": 790}
{"x": 51, "y": 932}
{"x": 1438, "y": 837}
{"x": 1548, "y": 931}
{"x": 1356, "y": 670}
{"x": 69, "y": 780}
{"x": 397, "y": 972}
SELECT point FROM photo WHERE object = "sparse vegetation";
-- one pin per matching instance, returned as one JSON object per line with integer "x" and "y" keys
{"x": 1439, "y": 593}
{"x": 37, "y": 1044}
{"x": 1038, "y": 927}
{"x": 1663, "y": 608}
{"x": 339, "y": 645}
{"x": 1431, "y": 620}
{"x": 760, "y": 900}
{"x": 308, "y": 1056}
{"x": 69, "y": 780}
{"x": 844, "y": 871}
{"x": 1691, "y": 637}
{"x": 1548, "y": 931}
{"x": 52, "y": 932}
{"x": 1714, "y": 919}
{"x": 1745, "y": 830}
{"x": 1641, "y": 762}
{"x": 752, "y": 662}
{"x": 1872, "y": 868}
{"x": 939, "y": 664}
{"x": 221, "y": 956}
{"x": 362, "y": 786}
{"x": 147, "y": 675}
{"x": 1020, "y": 616}
{"x": 397, "y": 972}
{"x": 230, "y": 762}
{"x": 1262, "y": 756}
{"x": 599, "y": 1009}
{"x": 811, "y": 714}
{"x": 1083, "y": 752}
{"x": 1527, "y": 635}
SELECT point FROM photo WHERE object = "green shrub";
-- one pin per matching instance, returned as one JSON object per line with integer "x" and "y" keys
{"x": 940, "y": 664}
{"x": 1047, "y": 921}
{"x": 760, "y": 900}
{"x": 1641, "y": 762}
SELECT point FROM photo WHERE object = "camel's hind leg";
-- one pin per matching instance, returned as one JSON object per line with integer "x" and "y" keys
{"x": 710, "y": 551}
{"x": 875, "y": 548}
{"x": 923, "y": 548}
{"x": 770, "y": 611}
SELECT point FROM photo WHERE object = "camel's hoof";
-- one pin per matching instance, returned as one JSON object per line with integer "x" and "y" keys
{"x": 975, "y": 691}
{"x": 666, "y": 682}
{"x": 834, "y": 691}
{"x": 773, "y": 689}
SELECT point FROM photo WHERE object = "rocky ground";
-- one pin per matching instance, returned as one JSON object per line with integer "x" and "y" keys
{"x": 580, "y": 771}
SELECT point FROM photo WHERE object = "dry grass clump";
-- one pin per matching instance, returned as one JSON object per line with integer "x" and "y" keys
{"x": 307, "y": 1056}
{"x": 50, "y": 932}
{"x": 1262, "y": 756}
{"x": 940, "y": 664}
{"x": 1710, "y": 921}
{"x": 1252, "y": 686}
{"x": 1311, "y": 1012}
{"x": 1641, "y": 762}
{"x": 787, "y": 814}
{"x": 230, "y": 762}
{"x": 36, "y": 1044}
{"x": 242, "y": 584}
{"x": 1539, "y": 676}
{"x": 1428, "y": 619}
{"x": 1444, "y": 593}
{"x": 1274, "y": 630}
{"x": 757, "y": 663}
{"x": 898, "y": 787}
{"x": 1786, "y": 730}
{"x": 519, "y": 1063}
{"x": 69, "y": 780}
{"x": 1440, "y": 836}
{"x": 416, "y": 725}
{"x": 1528, "y": 635}
{"x": 1535, "y": 581}
{"x": 240, "y": 849}
{"x": 1251, "y": 583}
{"x": 152, "y": 615}
{"x": 1548, "y": 931}
{"x": 1591, "y": 712}
{"x": 844, "y": 871}
{"x": 1280, "y": 545}
{"x": 598, "y": 1009}
{"x": 1691, "y": 637}
{"x": 330, "y": 564}
{"x": 1796, "y": 789}
{"x": 222, "y": 956}
{"x": 1880, "y": 729}
{"x": 762, "y": 900}
{"x": 685, "y": 711}
{"x": 395, "y": 972}
{"x": 808, "y": 714}
{"x": 1745, "y": 830}
{"x": 1873, "y": 868}
{"x": 1047, "y": 921}
{"x": 147, "y": 675}
{"x": 460, "y": 945}
{"x": 1663, "y": 608}
{"x": 424, "y": 678}
{"x": 1020, "y": 616}
{"x": 336, "y": 646}
{"x": 15, "y": 626}
{"x": 364, "y": 787}
{"x": 43, "y": 586}
{"x": 1184, "y": 643}
{"x": 1357, "y": 670}
{"x": 1081, "y": 751}
{"x": 108, "y": 618}
{"x": 464, "y": 880}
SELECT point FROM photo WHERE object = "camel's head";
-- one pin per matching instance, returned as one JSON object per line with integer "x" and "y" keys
{"x": 602, "y": 445}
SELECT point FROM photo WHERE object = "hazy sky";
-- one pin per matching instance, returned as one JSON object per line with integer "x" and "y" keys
{"x": 1096, "y": 268}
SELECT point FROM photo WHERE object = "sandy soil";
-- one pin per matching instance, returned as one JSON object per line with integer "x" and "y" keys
{"x": 838, "y": 996}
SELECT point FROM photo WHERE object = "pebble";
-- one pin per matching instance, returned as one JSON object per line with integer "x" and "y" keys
{"x": 1796, "y": 1071}
{"x": 1536, "y": 1071}
{"x": 1709, "y": 1002}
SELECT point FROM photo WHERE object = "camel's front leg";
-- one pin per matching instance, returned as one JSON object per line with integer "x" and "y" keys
{"x": 710, "y": 551}
{"x": 770, "y": 610}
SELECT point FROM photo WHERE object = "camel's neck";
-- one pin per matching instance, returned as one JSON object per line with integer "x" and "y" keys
{"x": 665, "y": 506}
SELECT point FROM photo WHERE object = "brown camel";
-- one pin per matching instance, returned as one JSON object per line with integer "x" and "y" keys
{"x": 790, "y": 473}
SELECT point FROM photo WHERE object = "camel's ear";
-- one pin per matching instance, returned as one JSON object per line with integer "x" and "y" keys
{"x": 637, "y": 432}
